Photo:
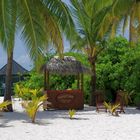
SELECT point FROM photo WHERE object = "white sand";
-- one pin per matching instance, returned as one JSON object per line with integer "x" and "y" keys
{"x": 56, "y": 125}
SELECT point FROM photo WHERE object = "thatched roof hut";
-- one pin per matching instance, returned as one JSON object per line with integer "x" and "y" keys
{"x": 65, "y": 99}
{"x": 67, "y": 66}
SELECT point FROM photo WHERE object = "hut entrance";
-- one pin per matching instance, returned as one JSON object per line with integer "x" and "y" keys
{"x": 65, "y": 99}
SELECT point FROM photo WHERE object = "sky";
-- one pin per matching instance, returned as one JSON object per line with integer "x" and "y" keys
{"x": 20, "y": 52}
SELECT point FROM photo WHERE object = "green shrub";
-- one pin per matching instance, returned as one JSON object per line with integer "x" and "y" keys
{"x": 27, "y": 93}
{"x": 137, "y": 99}
{"x": 4, "y": 105}
{"x": 112, "y": 109}
{"x": 58, "y": 82}
{"x": 118, "y": 67}
{"x": 32, "y": 100}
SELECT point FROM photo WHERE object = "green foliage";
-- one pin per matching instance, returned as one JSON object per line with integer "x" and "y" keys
{"x": 109, "y": 68}
{"x": 137, "y": 99}
{"x": 59, "y": 82}
{"x": 32, "y": 99}
{"x": 112, "y": 108}
{"x": 27, "y": 93}
{"x": 71, "y": 113}
{"x": 34, "y": 81}
{"x": 118, "y": 67}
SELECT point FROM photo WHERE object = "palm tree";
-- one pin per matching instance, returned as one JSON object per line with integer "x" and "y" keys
{"x": 89, "y": 16}
{"x": 7, "y": 36}
{"x": 124, "y": 14}
{"x": 131, "y": 17}
{"x": 40, "y": 22}
{"x": 97, "y": 19}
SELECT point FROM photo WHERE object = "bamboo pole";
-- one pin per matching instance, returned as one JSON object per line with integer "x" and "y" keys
{"x": 45, "y": 84}
{"x": 82, "y": 81}
{"x": 78, "y": 81}
{"x": 48, "y": 80}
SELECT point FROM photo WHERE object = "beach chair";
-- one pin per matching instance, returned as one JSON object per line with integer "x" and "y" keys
{"x": 100, "y": 98}
{"x": 120, "y": 100}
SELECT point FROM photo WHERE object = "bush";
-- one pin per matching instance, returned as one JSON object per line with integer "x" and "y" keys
{"x": 118, "y": 67}
{"x": 58, "y": 82}
{"x": 137, "y": 99}
{"x": 34, "y": 81}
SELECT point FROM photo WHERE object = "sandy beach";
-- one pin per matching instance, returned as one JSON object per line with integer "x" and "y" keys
{"x": 56, "y": 125}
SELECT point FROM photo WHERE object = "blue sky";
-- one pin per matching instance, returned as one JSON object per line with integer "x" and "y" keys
{"x": 20, "y": 53}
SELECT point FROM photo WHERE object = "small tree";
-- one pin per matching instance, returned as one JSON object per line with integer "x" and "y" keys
{"x": 32, "y": 100}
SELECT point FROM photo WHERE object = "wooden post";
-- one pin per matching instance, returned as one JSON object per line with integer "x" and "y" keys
{"x": 78, "y": 81}
{"x": 48, "y": 80}
{"x": 45, "y": 84}
{"x": 82, "y": 80}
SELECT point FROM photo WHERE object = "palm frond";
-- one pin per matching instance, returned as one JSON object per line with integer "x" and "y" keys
{"x": 31, "y": 22}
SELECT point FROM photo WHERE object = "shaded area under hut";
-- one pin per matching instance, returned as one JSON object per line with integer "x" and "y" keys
{"x": 65, "y": 99}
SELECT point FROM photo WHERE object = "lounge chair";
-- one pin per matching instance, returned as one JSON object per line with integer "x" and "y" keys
{"x": 120, "y": 100}
{"x": 100, "y": 98}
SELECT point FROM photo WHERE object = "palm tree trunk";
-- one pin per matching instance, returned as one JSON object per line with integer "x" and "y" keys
{"x": 132, "y": 34}
{"x": 93, "y": 82}
{"x": 8, "y": 91}
{"x": 131, "y": 31}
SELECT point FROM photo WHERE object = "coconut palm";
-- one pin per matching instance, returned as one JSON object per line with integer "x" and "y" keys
{"x": 98, "y": 19}
{"x": 131, "y": 17}
{"x": 40, "y": 22}
{"x": 123, "y": 15}
{"x": 88, "y": 16}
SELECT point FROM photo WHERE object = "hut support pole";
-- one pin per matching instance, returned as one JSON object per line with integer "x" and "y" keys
{"x": 45, "y": 84}
{"x": 82, "y": 80}
{"x": 78, "y": 81}
{"x": 48, "y": 80}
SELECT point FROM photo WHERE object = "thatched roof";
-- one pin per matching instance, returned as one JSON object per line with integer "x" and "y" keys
{"x": 68, "y": 65}
{"x": 16, "y": 69}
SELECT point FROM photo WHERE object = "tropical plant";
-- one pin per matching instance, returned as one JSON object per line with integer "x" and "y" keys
{"x": 34, "y": 80}
{"x": 27, "y": 93}
{"x": 31, "y": 107}
{"x": 127, "y": 97}
{"x": 71, "y": 113}
{"x": 112, "y": 108}
{"x": 32, "y": 99}
{"x": 3, "y": 105}
{"x": 40, "y": 23}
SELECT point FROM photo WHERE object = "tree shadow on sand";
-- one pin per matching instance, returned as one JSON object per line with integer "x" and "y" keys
{"x": 45, "y": 117}
{"x": 131, "y": 111}
{"x": 19, "y": 116}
